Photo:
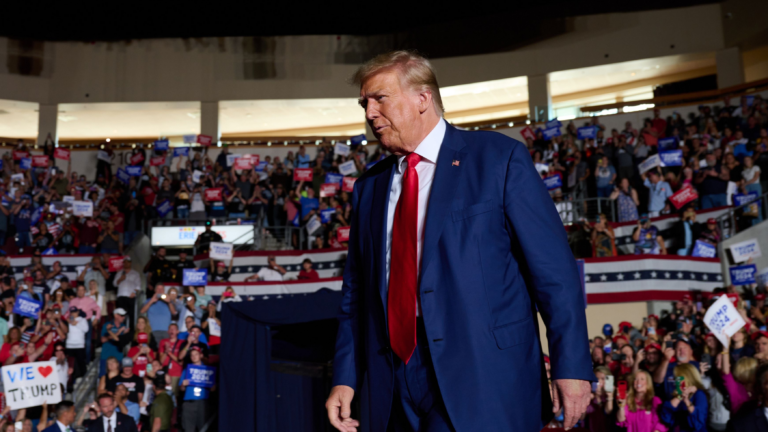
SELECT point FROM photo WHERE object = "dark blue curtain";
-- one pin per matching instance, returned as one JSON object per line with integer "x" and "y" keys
{"x": 249, "y": 388}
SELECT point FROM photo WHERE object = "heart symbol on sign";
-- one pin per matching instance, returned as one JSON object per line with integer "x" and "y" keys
{"x": 45, "y": 371}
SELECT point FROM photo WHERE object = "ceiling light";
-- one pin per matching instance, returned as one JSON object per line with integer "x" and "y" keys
{"x": 218, "y": 144}
{"x": 364, "y": 142}
{"x": 349, "y": 142}
{"x": 528, "y": 122}
{"x": 102, "y": 146}
{"x": 510, "y": 124}
{"x": 108, "y": 140}
{"x": 269, "y": 143}
{"x": 133, "y": 146}
{"x": 285, "y": 143}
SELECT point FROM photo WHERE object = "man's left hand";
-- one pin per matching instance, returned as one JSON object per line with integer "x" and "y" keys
{"x": 573, "y": 396}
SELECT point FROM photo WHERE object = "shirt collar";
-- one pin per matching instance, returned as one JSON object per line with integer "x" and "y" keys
{"x": 62, "y": 426}
{"x": 429, "y": 148}
{"x": 111, "y": 418}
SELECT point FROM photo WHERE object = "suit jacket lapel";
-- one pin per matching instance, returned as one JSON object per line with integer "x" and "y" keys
{"x": 379, "y": 210}
{"x": 444, "y": 185}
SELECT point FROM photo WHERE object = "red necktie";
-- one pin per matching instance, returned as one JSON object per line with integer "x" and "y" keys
{"x": 401, "y": 303}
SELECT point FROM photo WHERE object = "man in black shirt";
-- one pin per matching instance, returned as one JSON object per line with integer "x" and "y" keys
{"x": 158, "y": 267}
{"x": 132, "y": 383}
{"x": 204, "y": 240}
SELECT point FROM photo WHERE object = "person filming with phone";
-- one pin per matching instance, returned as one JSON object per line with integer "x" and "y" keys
{"x": 688, "y": 408}
{"x": 639, "y": 407}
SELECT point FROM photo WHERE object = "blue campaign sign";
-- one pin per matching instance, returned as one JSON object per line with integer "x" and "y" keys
{"x": 27, "y": 307}
{"x": 553, "y": 124}
{"x": 50, "y": 251}
{"x": 201, "y": 376}
{"x": 587, "y": 132}
{"x": 358, "y": 139}
{"x": 295, "y": 221}
{"x": 552, "y": 132}
{"x": 260, "y": 166}
{"x": 334, "y": 178}
{"x": 669, "y": 143}
{"x": 122, "y": 175}
{"x": 25, "y": 163}
{"x": 671, "y": 158}
{"x": 553, "y": 182}
{"x": 704, "y": 249}
{"x": 36, "y": 215}
{"x": 743, "y": 274}
{"x": 741, "y": 199}
{"x": 161, "y": 145}
{"x": 164, "y": 208}
{"x": 325, "y": 215}
{"x": 133, "y": 171}
{"x": 192, "y": 277}
{"x": 180, "y": 151}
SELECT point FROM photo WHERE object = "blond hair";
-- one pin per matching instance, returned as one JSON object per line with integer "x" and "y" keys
{"x": 744, "y": 371}
{"x": 415, "y": 69}
{"x": 690, "y": 374}
{"x": 649, "y": 394}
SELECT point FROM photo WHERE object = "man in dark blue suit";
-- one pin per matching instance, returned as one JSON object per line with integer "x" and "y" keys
{"x": 65, "y": 417}
{"x": 454, "y": 246}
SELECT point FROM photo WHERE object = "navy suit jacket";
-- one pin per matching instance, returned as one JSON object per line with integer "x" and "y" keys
{"x": 494, "y": 250}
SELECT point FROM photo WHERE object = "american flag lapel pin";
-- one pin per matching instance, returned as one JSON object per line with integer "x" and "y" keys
{"x": 455, "y": 163}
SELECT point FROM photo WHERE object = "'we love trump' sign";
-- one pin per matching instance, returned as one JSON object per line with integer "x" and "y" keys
{"x": 31, "y": 384}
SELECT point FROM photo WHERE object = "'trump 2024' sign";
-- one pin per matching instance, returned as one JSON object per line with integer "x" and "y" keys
{"x": 31, "y": 384}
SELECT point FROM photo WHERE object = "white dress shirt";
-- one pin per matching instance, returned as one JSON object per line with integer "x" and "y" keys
{"x": 110, "y": 421}
{"x": 429, "y": 149}
{"x": 63, "y": 427}
{"x": 129, "y": 285}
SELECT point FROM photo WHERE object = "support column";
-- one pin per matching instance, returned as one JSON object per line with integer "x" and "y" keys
{"x": 47, "y": 122}
{"x": 539, "y": 98}
{"x": 209, "y": 121}
{"x": 730, "y": 67}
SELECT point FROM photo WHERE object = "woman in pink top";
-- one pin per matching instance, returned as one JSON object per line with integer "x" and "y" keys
{"x": 640, "y": 411}
{"x": 739, "y": 384}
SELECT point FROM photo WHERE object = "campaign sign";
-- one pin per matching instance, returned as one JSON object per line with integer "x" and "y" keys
{"x": 31, "y": 384}
{"x": 743, "y": 274}
{"x": 220, "y": 251}
{"x": 161, "y": 145}
{"x": 61, "y": 153}
{"x": 189, "y": 139}
{"x": 348, "y": 184}
{"x": 231, "y": 158}
{"x": 587, "y": 132}
{"x": 204, "y": 140}
{"x": 527, "y": 132}
{"x": 348, "y": 168}
{"x": 342, "y": 149}
{"x": 745, "y": 250}
{"x": 19, "y": 155}
{"x": 762, "y": 277}
{"x": 553, "y": 182}
{"x": 214, "y": 328}
{"x": 684, "y": 196}
{"x": 743, "y": 199}
{"x": 328, "y": 189}
{"x": 164, "y": 208}
{"x": 40, "y": 161}
{"x": 157, "y": 161}
{"x": 201, "y": 376}
{"x": 671, "y": 158}
{"x": 50, "y": 251}
{"x": 181, "y": 151}
{"x": 82, "y": 208}
{"x": 213, "y": 194}
{"x": 262, "y": 165}
{"x": 37, "y": 214}
{"x": 25, "y": 163}
{"x": 302, "y": 174}
{"x": 342, "y": 234}
{"x": 103, "y": 155}
{"x": 196, "y": 176}
{"x": 137, "y": 158}
{"x": 116, "y": 263}
{"x": 666, "y": 144}
{"x": 334, "y": 178}
{"x": 133, "y": 171}
{"x": 553, "y": 124}
{"x": 552, "y": 132}
{"x": 723, "y": 320}
{"x": 27, "y": 307}
{"x": 313, "y": 224}
{"x": 325, "y": 215}
{"x": 244, "y": 163}
{"x": 704, "y": 249}
{"x": 357, "y": 139}
{"x": 192, "y": 277}
{"x": 651, "y": 162}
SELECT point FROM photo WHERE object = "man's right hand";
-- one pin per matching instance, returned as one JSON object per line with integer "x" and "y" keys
{"x": 339, "y": 409}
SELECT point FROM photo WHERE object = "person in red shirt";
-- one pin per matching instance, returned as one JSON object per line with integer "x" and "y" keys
{"x": 117, "y": 218}
{"x": 141, "y": 354}
{"x": 149, "y": 191}
{"x": 622, "y": 366}
{"x": 169, "y": 350}
{"x": 89, "y": 235}
{"x": 659, "y": 124}
{"x": 307, "y": 272}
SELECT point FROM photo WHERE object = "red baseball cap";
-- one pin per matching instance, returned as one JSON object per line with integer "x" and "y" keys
{"x": 620, "y": 337}
{"x": 656, "y": 317}
{"x": 142, "y": 338}
{"x": 221, "y": 264}
{"x": 654, "y": 346}
{"x": 711, "y": 221}
{"x": 686, "y": 297}
{"x": 759, "y": 297}
{"x": 625, "y": 324}
{"x": 758, "y": 334}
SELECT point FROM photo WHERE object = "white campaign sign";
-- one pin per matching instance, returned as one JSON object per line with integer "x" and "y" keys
{"x": 348, "y": 168}
{"x": 196, "y": 176}
{"x": 31, "y": 384}
{"x": 313, "y": 224}
{"x": 82, "y": 208}
{"x": 723, "y": 319}
{"x": 342, "y": 149}
{"x": 745, "y": 250}
{"x": 231, "y": 159}
{"x": 213, "y": 327}
{"x": 221, "y": 251}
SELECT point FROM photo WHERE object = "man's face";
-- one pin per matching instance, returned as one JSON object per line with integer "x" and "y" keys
{"x": 195, "y": 356}
{"x": 107, "y": 406}
{"x": 599, "y": 342}
{"x": 392, "y": 111}
{"x": 189, "y": 321}
{"x": 126, "y": 265}
{"x": 173, "y": 331}
{"x": 762, "y": 345}
{"x": 119, "y": 319}
{"x": 121, "y": 391}
{"x": 81, "y": 291}
{"x": 629, "y": 356}
{"x": 683, "y": 352}
{"x": 68, "y": 416}
{"x": 161, "y": 253}
{"x": 195, "y": 332}
{"x": 183, "y": 256}
{"x": 652, "y": 356}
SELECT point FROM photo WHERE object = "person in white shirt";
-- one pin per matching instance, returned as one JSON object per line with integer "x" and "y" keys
{"x": 270, "y": 273}
{"x": 63, "y": 370}
{"x": 128, "y": 283}
{"x": 78, "y": 329}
